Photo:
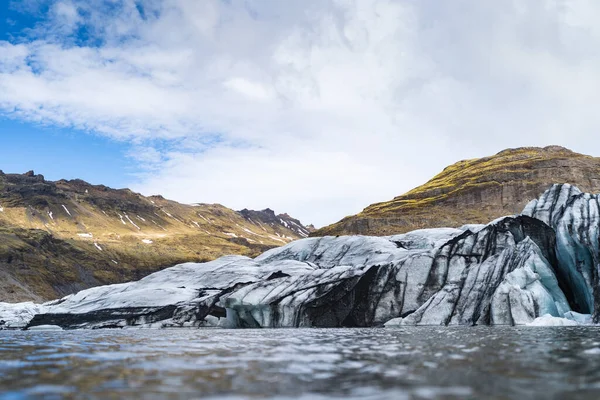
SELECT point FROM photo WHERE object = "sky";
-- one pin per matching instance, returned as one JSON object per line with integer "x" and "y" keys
{"x": 316, "y": 108}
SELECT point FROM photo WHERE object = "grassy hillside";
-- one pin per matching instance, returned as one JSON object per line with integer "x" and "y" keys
{"x": 475, "y": 191}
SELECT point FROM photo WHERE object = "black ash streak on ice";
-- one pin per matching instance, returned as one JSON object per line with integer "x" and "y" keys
{"x": 510, "y": 272}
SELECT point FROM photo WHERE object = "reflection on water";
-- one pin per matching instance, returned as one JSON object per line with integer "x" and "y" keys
{"x": 404, "y": 363}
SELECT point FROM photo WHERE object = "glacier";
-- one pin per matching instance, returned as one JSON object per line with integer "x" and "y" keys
{"x": 539, "y": 268}
{"x": 575, "y": 217}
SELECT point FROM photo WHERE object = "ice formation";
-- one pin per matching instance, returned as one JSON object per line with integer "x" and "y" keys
{"x": 549, "y": 320}
{"x": 575, "y": 217}
{"x": 539, "y": 268}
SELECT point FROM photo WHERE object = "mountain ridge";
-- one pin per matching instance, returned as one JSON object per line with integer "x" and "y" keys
{"x": 537, "y": 268}
{"x": 58, "y": 237}
{"x": 475, "y": 191}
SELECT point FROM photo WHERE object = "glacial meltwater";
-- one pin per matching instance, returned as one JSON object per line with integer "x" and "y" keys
{"x": 397, "y": 363}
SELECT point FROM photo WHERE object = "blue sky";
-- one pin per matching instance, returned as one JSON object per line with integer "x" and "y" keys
{"x": 13, "y": 22}
{"x": 57, "y": 152}
{"x": 316, "y": 108}
{"x": 64, "y": 154}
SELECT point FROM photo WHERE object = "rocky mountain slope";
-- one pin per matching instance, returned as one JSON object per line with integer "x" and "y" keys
{"x": 537, "y": 268}
{"x": 475, "y": 191}
{"x": 57, "y": 238}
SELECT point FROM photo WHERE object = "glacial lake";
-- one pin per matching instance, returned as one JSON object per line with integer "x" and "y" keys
{"x": 398, "y": 363}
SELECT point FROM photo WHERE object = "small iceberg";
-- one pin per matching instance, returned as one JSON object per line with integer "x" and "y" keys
{"x": 549, "y": 320}
{"x": 47, "y": 328}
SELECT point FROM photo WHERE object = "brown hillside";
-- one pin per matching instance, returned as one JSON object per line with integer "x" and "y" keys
{"x": 60, "y": 237}
{"x": 475, "y": 191}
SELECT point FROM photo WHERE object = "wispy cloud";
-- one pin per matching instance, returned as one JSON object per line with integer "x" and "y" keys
{"x": 317, "y": 108}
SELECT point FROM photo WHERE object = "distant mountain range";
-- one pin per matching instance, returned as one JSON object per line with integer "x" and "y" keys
{"x": 57, "y": 238}
{"x": 475, "y": 192}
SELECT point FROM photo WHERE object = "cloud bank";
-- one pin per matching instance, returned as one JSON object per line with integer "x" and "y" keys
{"x": 315, "y": 108}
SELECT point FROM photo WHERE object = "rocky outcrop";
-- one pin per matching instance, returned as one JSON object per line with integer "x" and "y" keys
{"x": 501, "y": 273}
{"x": 268, "y": 217}
{"x": 475, "y": 191}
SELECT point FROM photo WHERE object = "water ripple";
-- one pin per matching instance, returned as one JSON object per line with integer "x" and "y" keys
{"x": 403, "y": 363}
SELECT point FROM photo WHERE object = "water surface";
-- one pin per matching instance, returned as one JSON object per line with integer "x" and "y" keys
{"x": 403, "y": 363}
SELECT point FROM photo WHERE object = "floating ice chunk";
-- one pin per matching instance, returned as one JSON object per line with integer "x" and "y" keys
{"x": 549, "y": 320}
{"x": 45, "y": 328}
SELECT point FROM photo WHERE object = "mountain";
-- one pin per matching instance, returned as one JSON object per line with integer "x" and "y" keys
{"x": 537, "y": 268}
{"x": 475, "y": 191}
{"x": 267, "y": 216}
{"x": 57, "y": 238}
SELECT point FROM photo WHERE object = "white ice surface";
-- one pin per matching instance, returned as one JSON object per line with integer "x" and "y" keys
{"x": 18, "y": 315}
{"x": 45, "y": 328}
{"x": 549, "y": 320}
{"x": 277, "y": 284}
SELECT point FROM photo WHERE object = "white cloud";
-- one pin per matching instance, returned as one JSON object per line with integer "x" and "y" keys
{"x": 316, "y": 108}
{"x": 149, "y": 157}
{"x": 249, "y": 89}
{"x": 65, "y": 15}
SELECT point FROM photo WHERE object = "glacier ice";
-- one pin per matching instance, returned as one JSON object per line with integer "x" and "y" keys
{"x": 575, "y": 217}
{"x": 534, "y": 268}
{"x": 45, "y": 328}
{"x": 18, "y": 315}
{"x": 549, "y": 320}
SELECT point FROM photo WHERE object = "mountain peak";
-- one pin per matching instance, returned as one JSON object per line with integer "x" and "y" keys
{"x": 475, "y": 191}
{"x": 268, "y": 216}
{"x": 536, "y": 150}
